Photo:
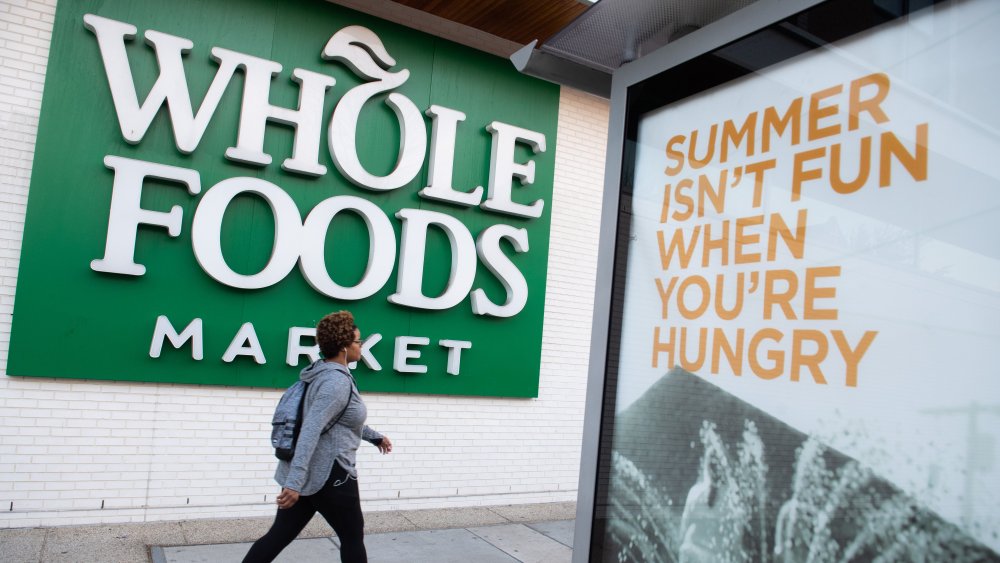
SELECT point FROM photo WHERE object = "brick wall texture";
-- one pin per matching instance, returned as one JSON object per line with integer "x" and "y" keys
{"x": 75, "y": 452}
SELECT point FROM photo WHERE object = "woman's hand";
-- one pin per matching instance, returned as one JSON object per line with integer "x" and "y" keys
{"x": 287, "y": 498}
{"x": 385, "y": 446}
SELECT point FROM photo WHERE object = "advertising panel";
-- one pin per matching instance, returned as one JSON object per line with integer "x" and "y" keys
{"x": 806, "y": 368}
{"x": 210, "y": 179}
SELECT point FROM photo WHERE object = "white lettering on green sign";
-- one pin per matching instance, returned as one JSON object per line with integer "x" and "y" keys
{"x": 297, "y": 241}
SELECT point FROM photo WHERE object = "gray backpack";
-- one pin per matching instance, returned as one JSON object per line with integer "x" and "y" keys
{"x": 287, "y": 420}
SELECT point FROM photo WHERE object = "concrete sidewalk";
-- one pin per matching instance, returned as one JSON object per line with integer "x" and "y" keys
{"x": 538, "y": 542}
{"x": 533, "y": 532}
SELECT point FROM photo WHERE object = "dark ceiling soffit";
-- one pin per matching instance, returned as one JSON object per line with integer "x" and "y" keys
{"x": 553, "y": 68}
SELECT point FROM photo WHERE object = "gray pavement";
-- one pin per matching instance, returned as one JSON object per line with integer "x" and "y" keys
{"x": 534, "y": 532}
{"x": 541, "y": 542}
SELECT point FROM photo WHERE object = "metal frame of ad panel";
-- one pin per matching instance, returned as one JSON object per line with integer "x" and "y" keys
{"x": 776, "y": 310}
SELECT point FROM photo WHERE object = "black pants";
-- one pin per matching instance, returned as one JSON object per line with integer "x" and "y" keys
{"x": 339, "y": 503}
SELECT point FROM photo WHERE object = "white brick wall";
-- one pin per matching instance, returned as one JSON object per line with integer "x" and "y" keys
{"x": 74, "y": 452}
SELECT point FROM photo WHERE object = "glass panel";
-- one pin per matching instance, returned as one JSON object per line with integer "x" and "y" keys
{"x": 810, "y": 301}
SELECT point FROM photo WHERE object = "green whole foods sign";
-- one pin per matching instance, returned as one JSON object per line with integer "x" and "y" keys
{"x": 211, "y": 179}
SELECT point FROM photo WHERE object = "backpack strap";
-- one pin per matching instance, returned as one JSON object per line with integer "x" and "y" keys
{"x": 301, "y": 412}
{"x": 331, "y": 424}
{"x": 336, "y": 420}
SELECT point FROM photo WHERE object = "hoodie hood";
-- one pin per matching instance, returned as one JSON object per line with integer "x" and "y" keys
{"x": 319, "y": 367}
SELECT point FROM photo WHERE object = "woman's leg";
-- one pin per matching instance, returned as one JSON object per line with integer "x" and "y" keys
{"x": 340, "y": 503}
{"x": 287, "y": 525}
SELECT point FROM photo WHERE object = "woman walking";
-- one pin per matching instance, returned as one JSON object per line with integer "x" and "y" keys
{"x": 321, "y": 476}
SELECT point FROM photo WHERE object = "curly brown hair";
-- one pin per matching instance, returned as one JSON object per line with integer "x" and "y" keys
{"x": 335, "y": 332}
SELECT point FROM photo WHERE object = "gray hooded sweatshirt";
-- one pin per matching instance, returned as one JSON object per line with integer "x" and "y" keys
{"x": 331, "y": 387}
